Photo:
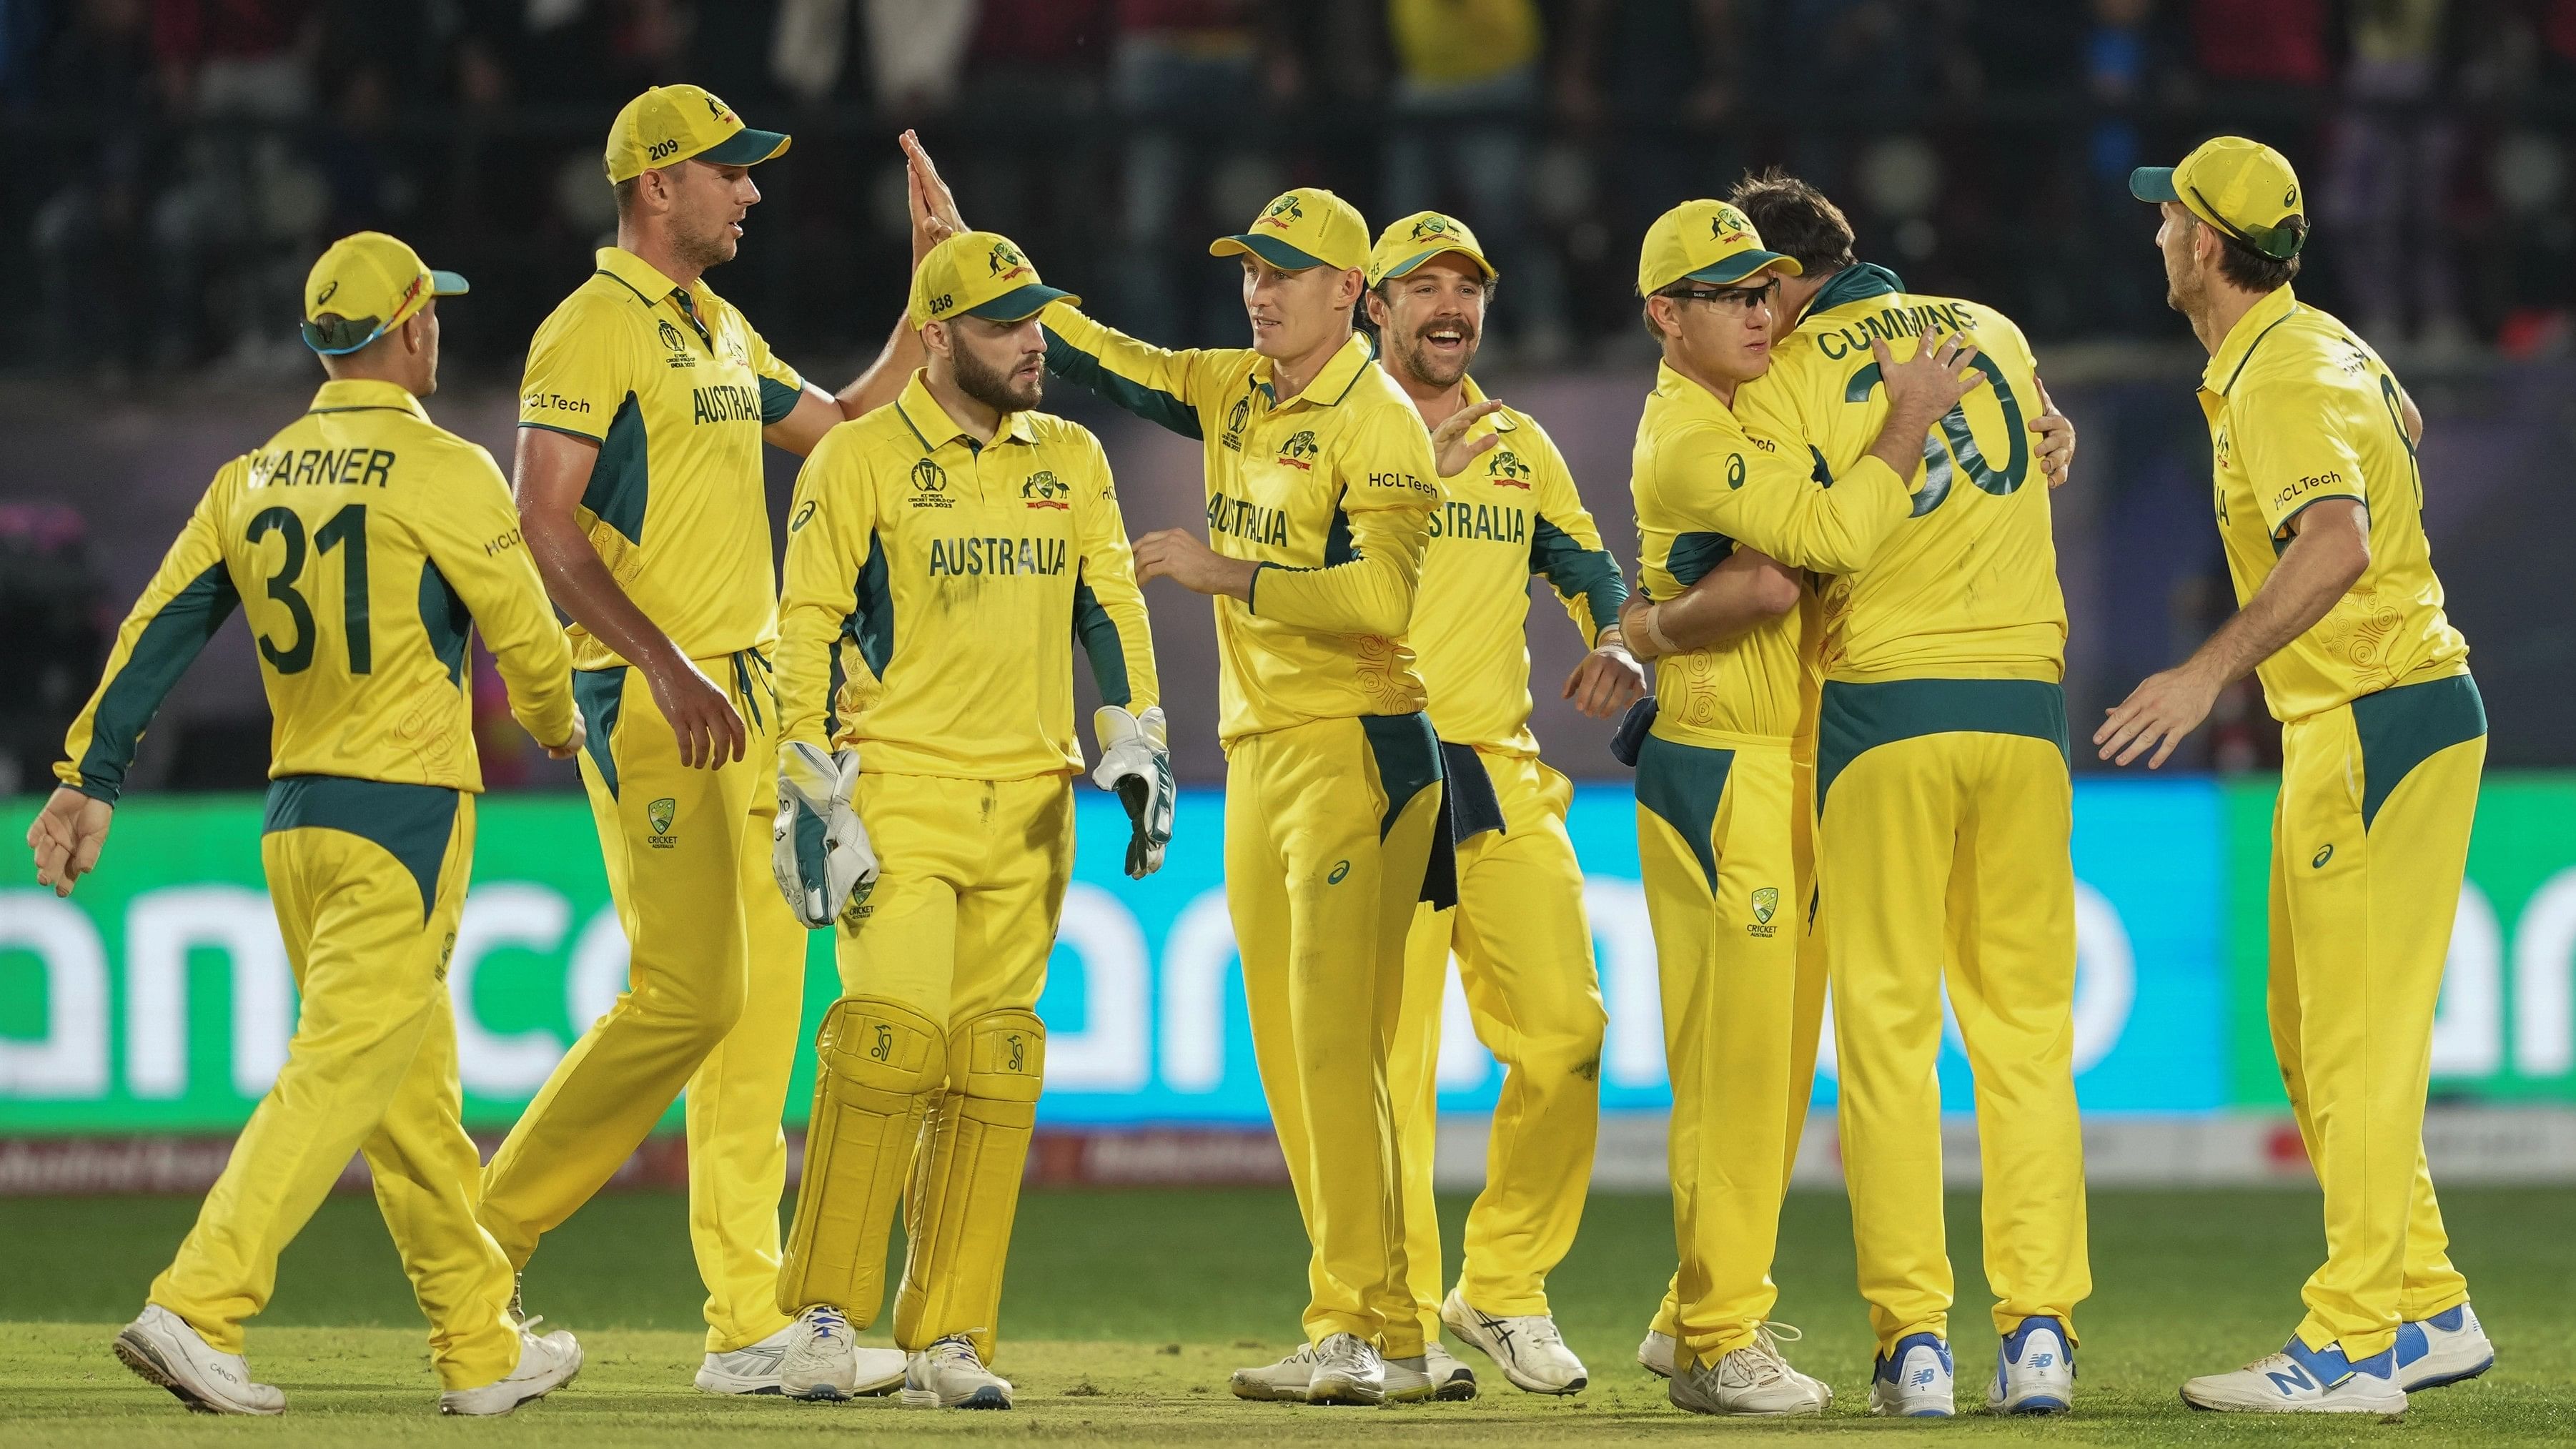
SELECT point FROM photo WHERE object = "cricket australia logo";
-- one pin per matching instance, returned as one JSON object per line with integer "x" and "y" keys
{"x": 1507, "y": 470}
{"x": 1766, "y": 904}
{"x": 1728, "y": 224}
{"x": 1005, "y": 262}
{"x": 1433, "y": 226}
{"x": 679, "y": 345}
{"x": 930, "y": 486}
{"x": 1300, "y": 450}
{"x": 1284, "y": 213}
{"x": 658, "y": 815}
{"x": 1235, "y": 422}
{"x": 1044, "y": 490}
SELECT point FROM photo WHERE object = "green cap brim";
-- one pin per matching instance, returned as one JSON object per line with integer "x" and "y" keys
{"x": 745, "y": 147}
{"x": 2153, "y": 183}
{"x": 447, "y": 284}
{"x": 1270, "y": 249}
{"x": 1406, "y": 266}
{"x": 1740, "y": 266}
{"x": 1020, "y": 302}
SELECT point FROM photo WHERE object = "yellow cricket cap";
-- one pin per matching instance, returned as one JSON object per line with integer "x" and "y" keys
{"x": 1705, "y": 241}
{"x": 1409, "y": 242}
{"x": 1307, "y": 227}
{"x": 369, "y": 284}
{"x": 2244, "y": 188}
{"x": 670, "y": 124}
{"x": 978, "y": 274}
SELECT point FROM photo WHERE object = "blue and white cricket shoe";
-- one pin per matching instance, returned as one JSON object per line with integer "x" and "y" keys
{"x": 2446, "y": 1348}
{"x": 2304, "y": 1380}
{"x": 2034, "y": 1370}
{"x": 1915, "y": 1381}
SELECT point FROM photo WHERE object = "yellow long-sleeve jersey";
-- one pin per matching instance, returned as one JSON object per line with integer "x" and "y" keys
{"x": 363, "y": 544}
{"x": 1330, "y": 491}
{"x": 2300, "y": 410}
{"x": 937, "y": 588}
{"x": 1967, "y": 588}
{"x": 1512, "y": 513}
{"x": 1704, "y": 484}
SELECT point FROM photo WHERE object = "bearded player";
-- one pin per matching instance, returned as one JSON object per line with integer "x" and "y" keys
{"x": 946, "y": 556}
{"x": 1508, "y": 510}
{"x": 646, "y": 403}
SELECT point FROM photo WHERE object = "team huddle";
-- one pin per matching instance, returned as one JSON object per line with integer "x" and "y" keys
{"x": 1838, "y": 680}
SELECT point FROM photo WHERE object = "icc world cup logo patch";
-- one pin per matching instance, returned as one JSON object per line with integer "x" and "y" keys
{"x": 930, "y": 486}
{"x": 678, "y": 345}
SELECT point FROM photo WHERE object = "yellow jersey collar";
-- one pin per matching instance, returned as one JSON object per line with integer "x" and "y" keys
{"x": 634, "y": 271}
{"x": 931, "y": 423}
{"x": 2238, "y": 346}
{"x": 1330, "y": 385}
{"x": 1502, "y": 422}
{"x": 1683, "y": 393}
{"x": 357, "y": 393}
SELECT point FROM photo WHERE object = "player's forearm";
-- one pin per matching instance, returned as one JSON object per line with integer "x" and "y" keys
{"x": 1746, "y": 590}
{"x": 1145, "y": 380}
{"x": 581, "y": 585}
{"x": 2320, "y": 566}
{"x": 1370, "y": 594}
{"x": 536, "y": 668}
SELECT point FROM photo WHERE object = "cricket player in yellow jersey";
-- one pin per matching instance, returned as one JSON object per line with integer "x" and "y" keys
{"x": 646, "y": 401}
{"x": 2320, "y": 497}
{"x": 1720, "y": 783}
{"x": 365, "y": 545}
{"x": 1320, "y": 494}
{"x": 1943, "y": 808}
{"x": 947, "y": 555}
{"x": 1508, "y": 510}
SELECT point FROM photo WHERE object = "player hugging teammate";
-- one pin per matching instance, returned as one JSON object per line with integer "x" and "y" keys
{"x": 1853, "y": 768}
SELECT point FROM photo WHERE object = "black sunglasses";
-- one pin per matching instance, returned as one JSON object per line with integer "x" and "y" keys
{"x": 1738, "y": 297}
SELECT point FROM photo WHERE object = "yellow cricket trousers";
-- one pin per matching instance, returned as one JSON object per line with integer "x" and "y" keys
{"x": 1945, "y": 807}
{"x": 715, "y": 990}
{"x": 1328, "y": 831}
{"x": 1716, "y": 850}
{"x": 1807, "y": 1014}
{"x": 1524, "y": 948}
{"x": 957, "y": 932}
{"x": 368, "y": 879}
{"x": 2370, "y": 838}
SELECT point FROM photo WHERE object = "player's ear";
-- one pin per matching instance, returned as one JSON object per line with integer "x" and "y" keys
{"x": 1374, "y": 300}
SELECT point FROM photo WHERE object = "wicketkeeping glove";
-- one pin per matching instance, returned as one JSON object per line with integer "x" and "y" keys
{"x": 1136, "y": 762}
{"x": 818, "y": 849}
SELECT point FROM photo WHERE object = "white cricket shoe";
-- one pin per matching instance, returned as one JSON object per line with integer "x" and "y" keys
{"x": 1915, "y": 1381}
{"x": 824, "y": 1363}
{"x": 951, "y": 1375}
{"x": 165, "y": 1351}
{"x": 1656, "y": 1354}
{"x": 1347, "y": 1371}
{"x": 2034, "y": 1370}
{"x": 1282, "y": 1382}
{"x": 1754, "y": 1381}
{"x": 2304, "y": 1380}
{"x": 2444, "y": 1349}
{"x": 545, "y": 1365}
{"x": 1452, "y": 1382}
{"x": 1528, "y": 1349}
{"x": 750, "y": 1369}
{"x": 1408, "y": 1380}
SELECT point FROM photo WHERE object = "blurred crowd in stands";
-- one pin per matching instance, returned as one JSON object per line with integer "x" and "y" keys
{"x": 177, "y": 163}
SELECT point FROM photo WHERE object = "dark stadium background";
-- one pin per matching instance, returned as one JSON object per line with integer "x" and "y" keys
{"x": 177, "y": 164}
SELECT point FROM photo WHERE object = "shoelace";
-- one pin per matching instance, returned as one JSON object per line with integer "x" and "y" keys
{"x": 956, "y": 1347}
{"x": 1768, "y": 1366}
{"x": 828, "y": 1323}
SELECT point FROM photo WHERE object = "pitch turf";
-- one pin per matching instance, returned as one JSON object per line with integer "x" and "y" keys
{"x": 1128, "y": 1308}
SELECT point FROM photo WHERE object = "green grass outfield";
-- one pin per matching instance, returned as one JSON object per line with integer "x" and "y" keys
{"x": 1127, "y": 1309}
